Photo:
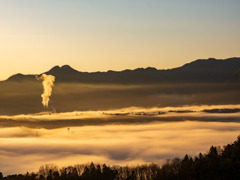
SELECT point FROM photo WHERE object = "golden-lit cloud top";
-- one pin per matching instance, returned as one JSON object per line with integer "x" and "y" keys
{"x": 117, "y": 137}
{"x": 25, "y": 149}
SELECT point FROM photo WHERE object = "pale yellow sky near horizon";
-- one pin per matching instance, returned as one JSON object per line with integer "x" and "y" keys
{"x": 107, "y": 35}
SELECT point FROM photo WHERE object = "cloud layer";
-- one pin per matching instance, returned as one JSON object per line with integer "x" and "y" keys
{"x": 25, "y": 149}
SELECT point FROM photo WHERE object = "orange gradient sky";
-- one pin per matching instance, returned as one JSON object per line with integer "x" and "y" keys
{"x": 114, "y": 35}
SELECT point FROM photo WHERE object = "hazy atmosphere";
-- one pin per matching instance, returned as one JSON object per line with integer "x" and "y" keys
{"x": 27, "y": 149}
{"x": 142, "y": 89}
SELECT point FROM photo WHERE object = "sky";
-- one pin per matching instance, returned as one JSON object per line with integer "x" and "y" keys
{"x": 101, "y": 35}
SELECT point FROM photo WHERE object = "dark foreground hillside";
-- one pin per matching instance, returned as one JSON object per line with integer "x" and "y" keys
{"x": 218, "y": 163}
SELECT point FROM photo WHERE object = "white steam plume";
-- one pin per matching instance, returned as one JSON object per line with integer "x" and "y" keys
{"x": 48, "y": 83}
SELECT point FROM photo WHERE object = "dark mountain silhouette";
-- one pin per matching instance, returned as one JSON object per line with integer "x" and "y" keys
{"x": 66, "y": 69}
{"x": 236, "y": 77}
{"x": 21, "y": 77}
{"x": 209, "y": 70}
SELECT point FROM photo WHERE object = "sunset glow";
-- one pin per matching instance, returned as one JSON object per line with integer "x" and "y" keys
{"x": 114, "y": 144}
{"x": 114, "y": 35}
{"x": 119, "y": 90}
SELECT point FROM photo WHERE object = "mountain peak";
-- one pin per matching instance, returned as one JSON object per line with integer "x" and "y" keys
{"x": 68, "y": 68}
{"x": 56, "y": 70}
{"x": 211, "y": 65}
{"x": 208, "y": 70}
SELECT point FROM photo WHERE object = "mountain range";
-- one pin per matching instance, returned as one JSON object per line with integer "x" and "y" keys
{"x": 202, "y": 70}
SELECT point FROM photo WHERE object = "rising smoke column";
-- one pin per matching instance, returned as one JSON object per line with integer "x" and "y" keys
{"x": 48, "y": 83}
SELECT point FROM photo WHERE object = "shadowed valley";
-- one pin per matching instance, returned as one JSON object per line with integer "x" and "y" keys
{"x": 208, "y": 81}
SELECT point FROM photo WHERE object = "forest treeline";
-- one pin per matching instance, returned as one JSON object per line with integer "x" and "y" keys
{"x": 217, "y": 164}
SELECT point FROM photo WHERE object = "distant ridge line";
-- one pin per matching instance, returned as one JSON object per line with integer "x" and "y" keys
{"x": 201, "y": 70}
